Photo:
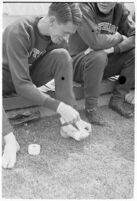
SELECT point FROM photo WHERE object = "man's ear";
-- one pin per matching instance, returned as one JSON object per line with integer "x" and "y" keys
{"x": 52, "y": 20}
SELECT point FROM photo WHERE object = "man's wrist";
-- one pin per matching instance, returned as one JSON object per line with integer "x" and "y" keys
{"x": 51, "y": 103}
{"x": 9, "y": 137}
{"x": 111, "y": 50}
{"x": 116, "y": 49}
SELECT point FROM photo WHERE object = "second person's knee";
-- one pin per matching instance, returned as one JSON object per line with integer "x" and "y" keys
{"x": 98, "y": 60}
{"x": 62, "y": 56}
{"x": 101, "y": 59}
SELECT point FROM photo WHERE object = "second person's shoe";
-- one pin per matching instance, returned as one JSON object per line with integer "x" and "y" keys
{"x": 94, "y": 118}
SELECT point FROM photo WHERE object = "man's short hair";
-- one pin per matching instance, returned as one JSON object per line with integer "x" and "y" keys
{"x": 66, "y": 12}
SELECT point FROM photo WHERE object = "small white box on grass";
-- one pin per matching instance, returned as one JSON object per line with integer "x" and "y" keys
{"x": 34, "y": 149}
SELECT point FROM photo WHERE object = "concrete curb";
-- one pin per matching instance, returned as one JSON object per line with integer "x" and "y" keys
{"x": 45, "y": 112}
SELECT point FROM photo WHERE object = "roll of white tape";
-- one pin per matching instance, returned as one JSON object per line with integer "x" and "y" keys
{"x": 34, "y": 149}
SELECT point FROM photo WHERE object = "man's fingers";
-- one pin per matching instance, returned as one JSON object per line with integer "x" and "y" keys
{"x": 88, "y": 127}
{"x": 130, "y": 97}
{"x": 5, "y": 162}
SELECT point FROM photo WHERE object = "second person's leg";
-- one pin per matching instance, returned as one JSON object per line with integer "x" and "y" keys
{"x": 89, "y": 69}
{"x": 124, "y": 65}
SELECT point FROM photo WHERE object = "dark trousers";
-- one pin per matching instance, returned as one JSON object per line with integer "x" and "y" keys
{"x": 90, "y": 69}
{"x": 56, "y": 64}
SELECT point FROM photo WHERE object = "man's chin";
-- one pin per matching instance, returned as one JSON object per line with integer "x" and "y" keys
{"x": 105, "y": 12}
{"x": 56, "y": 41}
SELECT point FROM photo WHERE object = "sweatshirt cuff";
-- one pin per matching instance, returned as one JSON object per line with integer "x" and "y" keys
{"x": 116, "y": 49}
{"x": 51, "y": 103}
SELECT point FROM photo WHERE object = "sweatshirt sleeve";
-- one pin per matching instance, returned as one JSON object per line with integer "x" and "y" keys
{"x": 6, "y": 126}
{"x": 89, "y": 33}
{"x": 17, "y": 46}
{"x": 127, "y": 28}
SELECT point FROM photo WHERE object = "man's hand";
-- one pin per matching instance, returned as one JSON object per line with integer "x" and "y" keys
{"x": 109, "y": 51}
{"x": 124, "y": 37}
{"x": 87, "y": 51}
{"x": 130, "y": 97}
{"x": 68, "y": 113}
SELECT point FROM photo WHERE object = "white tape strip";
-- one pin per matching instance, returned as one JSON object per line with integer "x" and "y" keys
{"x": 34, "y": 149}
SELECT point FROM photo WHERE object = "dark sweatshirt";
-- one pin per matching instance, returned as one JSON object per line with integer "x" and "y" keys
{"x": 22, "y": 46}
{"x": 98, "y": 31}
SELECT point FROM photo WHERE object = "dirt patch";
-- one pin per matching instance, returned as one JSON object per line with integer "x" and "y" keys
{"x": 101, "y": 166}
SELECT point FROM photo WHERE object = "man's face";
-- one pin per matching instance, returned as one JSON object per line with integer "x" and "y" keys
{"x": 59, "y": 32}
{"x": 106, "y": 7}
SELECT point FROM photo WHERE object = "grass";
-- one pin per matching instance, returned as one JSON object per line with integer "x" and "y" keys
{"x": 101, "y": 166}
